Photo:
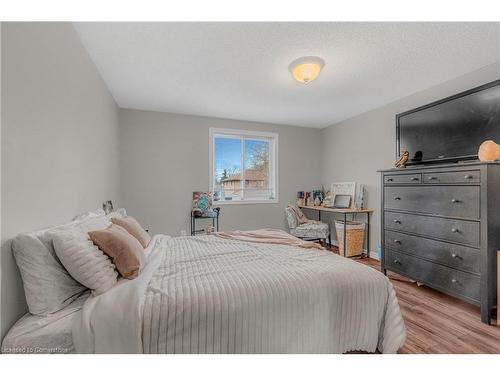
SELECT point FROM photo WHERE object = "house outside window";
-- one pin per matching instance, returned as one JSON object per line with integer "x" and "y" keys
{"x": 243, "y": 166}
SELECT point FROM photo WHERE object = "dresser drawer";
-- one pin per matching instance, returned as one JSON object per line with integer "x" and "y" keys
{"x": 455, "y": 256}
{"x": 414, "y": 178}
{"x": 462, "y": 177}
{"x": 434, "y": 275}
{"x": 459, "y": 231}
{"x": 458, "y": 201}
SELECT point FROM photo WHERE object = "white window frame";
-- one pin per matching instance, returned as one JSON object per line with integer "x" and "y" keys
{"x": 235, "y": 133}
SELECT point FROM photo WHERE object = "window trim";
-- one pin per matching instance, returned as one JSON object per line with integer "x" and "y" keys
{"x": 248, "y": 133}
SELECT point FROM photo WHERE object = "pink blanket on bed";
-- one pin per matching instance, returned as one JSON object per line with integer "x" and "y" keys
{"x": 273, "y": 236}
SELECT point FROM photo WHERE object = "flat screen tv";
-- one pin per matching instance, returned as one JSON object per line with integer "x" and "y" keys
{"x": 451, "y": 129}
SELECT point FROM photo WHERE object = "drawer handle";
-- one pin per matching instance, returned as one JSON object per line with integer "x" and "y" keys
{"x": 454, "y": 281}
{"x": 396, "y": 221}
{"x": 397, "y": 261}
{"x": 390, "y": 179}
{"x": 430, "y": 178}
{"x": 455, "y": 230}
{"x": 456, "y": 256}
{"x": 455, "y": 200}
{"x": 467, "y": 176}
{"x": 397, "y": 241}
{"x": 414, "y": 178}
{"x": 397, "y": 198}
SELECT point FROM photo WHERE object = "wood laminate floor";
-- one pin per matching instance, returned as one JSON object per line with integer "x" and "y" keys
{"x": 437, "y": 323}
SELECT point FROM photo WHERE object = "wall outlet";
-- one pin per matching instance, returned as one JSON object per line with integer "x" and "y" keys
{"x": 183, "y": 233}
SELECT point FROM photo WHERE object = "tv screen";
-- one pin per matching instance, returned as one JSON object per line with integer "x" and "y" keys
{"x": 451, "y": 129}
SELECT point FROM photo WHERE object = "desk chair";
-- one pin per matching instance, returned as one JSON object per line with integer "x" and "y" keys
{"x": 310, "y": 231}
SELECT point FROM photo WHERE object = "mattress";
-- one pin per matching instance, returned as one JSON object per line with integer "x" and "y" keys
{"x": 49, "y": 334}
{"x": 211, "y": 295}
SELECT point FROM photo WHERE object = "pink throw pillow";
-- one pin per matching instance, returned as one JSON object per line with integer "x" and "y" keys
{"x": 125, "y": 250}
{"x": 134, "y": 228}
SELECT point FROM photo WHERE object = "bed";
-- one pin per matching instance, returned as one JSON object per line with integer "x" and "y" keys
{"x": 210, "y": 295}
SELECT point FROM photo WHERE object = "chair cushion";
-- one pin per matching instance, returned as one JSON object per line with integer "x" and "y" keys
{"x": 313, "y": 229}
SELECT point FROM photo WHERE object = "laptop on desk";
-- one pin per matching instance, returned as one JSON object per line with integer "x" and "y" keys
{"x": 341, "y": 201}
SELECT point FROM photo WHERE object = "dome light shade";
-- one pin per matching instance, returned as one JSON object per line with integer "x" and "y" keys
{"x": 306, "y": 69}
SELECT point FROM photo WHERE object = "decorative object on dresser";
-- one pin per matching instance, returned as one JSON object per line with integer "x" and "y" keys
{"x": 441, "y": 227}
{"x": 403, "y": 159}
{"x": 489, "y": 151}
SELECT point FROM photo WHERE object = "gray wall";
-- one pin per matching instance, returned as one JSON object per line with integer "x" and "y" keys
{"x": 60, "y": 139}
{"x": 354, "y": 149}
{"x": 164, "y": 158}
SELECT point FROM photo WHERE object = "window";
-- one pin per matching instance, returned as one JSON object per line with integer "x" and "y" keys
{"x": 243, "y": 166}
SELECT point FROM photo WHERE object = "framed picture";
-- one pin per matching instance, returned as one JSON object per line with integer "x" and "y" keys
{"x": 344, "y": 188}
{"x": 202, "y": 203}
{"x": 107, "y": 206}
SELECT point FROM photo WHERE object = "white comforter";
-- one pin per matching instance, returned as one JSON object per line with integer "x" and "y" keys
{"x": 210, "y": 295}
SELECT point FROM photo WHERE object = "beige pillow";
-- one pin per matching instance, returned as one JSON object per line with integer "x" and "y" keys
{"x": 134, "y": 228}
{"x": 124, "y": 249}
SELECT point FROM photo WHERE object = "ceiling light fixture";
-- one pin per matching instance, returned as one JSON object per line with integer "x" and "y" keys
{"x": 306, "y": 69}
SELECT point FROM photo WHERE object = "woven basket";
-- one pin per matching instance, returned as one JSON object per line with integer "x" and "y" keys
{"x": 355, "y": 237}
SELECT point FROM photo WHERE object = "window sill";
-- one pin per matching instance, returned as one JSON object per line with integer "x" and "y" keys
{"x": 224, "y": 203}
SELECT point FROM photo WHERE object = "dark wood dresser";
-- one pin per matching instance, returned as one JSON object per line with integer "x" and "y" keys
{"x": 441, "y": 227}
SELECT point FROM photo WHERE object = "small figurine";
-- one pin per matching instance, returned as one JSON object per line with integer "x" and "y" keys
{"x": 401, "y": 163}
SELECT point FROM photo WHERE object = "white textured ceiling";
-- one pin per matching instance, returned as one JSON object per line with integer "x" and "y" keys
{"x": 240, "y": 70}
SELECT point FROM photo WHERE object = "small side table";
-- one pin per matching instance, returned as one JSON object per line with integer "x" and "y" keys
{"x": 215, "y": 220}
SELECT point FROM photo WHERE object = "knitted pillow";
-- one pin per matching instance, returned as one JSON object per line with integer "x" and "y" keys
{"x": 84, "y": 261}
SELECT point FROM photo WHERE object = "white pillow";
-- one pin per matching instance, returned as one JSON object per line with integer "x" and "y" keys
{"x": 47, "y": 285}
{"x": 83, "y": 260}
